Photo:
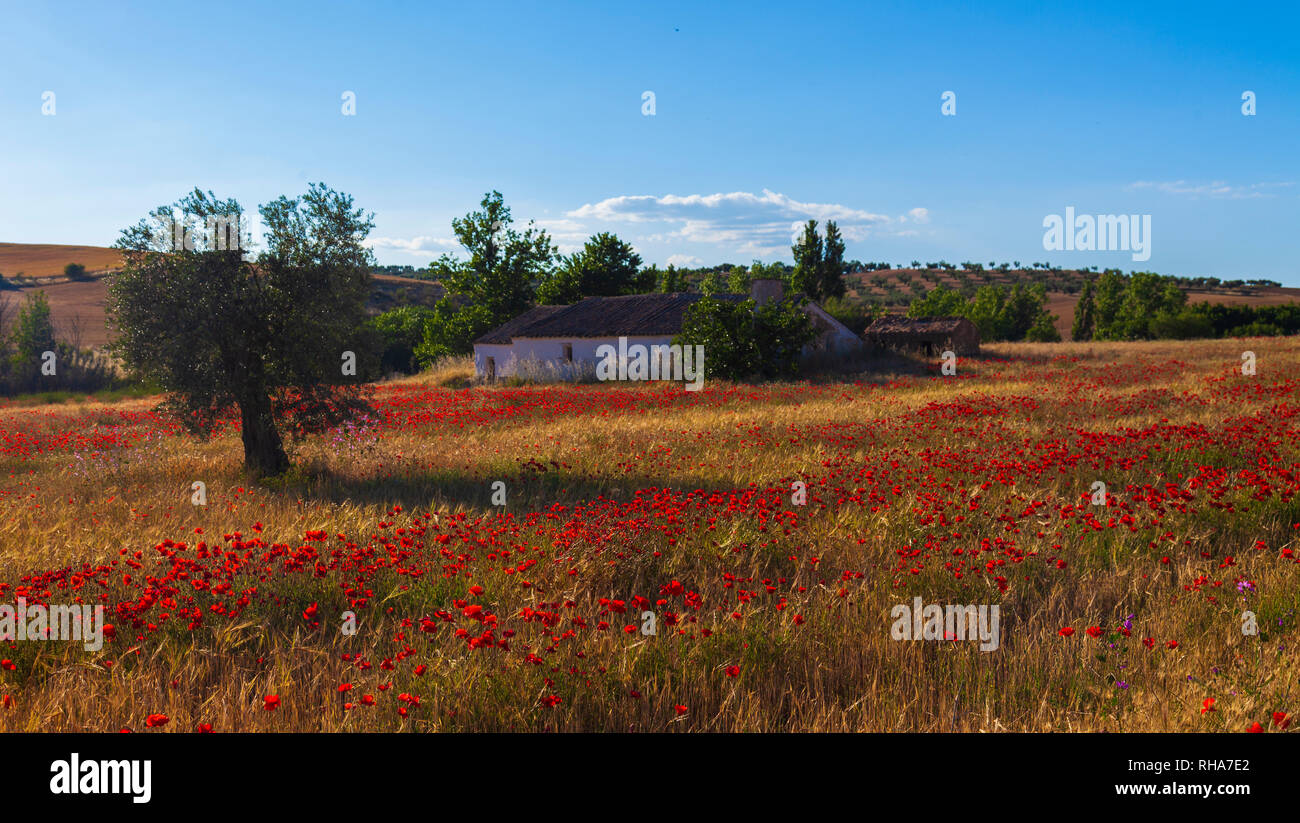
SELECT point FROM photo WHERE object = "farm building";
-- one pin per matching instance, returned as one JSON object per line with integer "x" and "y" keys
{"x": 927, "y": 335}
{"x": 561, "y": 342}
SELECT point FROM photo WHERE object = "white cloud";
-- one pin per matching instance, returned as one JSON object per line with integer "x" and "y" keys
{"x": 743, "y": 222}
{"x": 416, "y": 245}
{"x": 1217, "y": 188}
{"x": 687, "y": 260}
{"x": 568, "y": 236}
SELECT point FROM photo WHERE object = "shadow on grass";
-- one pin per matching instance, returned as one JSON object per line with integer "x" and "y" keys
{"x": 526, "y": 491}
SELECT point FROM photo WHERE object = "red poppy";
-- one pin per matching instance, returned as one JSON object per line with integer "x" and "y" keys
{"x": 1068, "y": 631}
{"x": 156, "y": 721}
{"x": 271, "y": 702}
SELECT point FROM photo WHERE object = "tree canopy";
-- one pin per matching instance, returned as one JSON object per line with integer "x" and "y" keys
{"x": 606, "y": 266}
{"x": 272, "y": 336}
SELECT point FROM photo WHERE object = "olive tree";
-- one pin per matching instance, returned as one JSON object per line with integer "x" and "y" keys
{"x": 275, "y": 337}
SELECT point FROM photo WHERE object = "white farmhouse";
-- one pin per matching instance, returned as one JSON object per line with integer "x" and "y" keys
{"x": 560, "y": 342}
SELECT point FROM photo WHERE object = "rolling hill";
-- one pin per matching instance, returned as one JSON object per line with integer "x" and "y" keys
{"x": 77, "y": 306}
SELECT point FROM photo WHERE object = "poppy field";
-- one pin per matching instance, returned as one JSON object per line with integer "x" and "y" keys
{"x": 637, "y": 557}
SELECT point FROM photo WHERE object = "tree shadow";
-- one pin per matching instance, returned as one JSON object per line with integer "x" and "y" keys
{"x": 530, "y": 490}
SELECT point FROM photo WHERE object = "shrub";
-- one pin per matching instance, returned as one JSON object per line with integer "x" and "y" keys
{"x": 741, "y": 341}
{"x": 399, "y": 333}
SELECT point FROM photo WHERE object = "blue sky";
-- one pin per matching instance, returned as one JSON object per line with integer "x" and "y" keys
{"x": 765, "y": 115}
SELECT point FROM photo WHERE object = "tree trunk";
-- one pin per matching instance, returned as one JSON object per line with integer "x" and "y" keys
{"x": 263, "y": 450}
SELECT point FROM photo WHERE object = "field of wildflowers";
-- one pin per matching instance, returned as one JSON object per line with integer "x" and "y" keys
{"x": 770, "y": 612}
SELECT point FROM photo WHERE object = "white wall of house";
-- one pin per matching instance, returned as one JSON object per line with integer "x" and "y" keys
{"x": 547, "y": 353}
{"x": 499, "y": 352}
{"x": 544, "y": 357}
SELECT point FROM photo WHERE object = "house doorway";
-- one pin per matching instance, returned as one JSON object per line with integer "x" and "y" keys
{"x": 490, "y": 369}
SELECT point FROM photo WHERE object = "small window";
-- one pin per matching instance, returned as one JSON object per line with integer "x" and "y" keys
{"x": 568, "y": 352}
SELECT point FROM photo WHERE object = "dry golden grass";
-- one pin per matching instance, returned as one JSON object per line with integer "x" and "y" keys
{"x": 836, "y": 669}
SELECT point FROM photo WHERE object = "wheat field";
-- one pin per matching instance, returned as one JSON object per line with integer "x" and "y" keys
{"x": 770, "y": 612}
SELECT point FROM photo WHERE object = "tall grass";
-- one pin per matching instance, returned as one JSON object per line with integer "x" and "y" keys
{"x": 836, "y": 668}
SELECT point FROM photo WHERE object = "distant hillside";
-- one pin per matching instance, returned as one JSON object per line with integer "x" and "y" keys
{"x": 42, "y": 260}
{"x": 78, "y": 306}
{"x": 896, "y": 288}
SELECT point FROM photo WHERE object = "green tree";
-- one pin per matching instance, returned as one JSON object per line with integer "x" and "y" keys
{"x": 604, "y": 267}
{"x": 832, "y": 266}
{"x": 75, "y": 271}
{"x": 452, "y": 329}
{"x": 400, "y": 332}
{"x": 270, "y": 337}
{"x": 1109, "y": 297}
{"x": 712, "y": 283}
{"x": 673, "y": 280}
{"x": 31, "y": 337}
{"x": 986, "y": 311}
{"x": 498, "y": 277}
{"x": 33, "y": 332}
{"x": 808, "y": 256}
{"x": 1085, "y": 311}
{"x": 738, "y": 280}
{"x": 1024, "y": 309}
{"x": 1189, "y": 324}
{"x": 939, "y": 302}
{"x": 740, "y": 342}
{"x": 1127, "y": 306}
{"x": 1043, "y": 330}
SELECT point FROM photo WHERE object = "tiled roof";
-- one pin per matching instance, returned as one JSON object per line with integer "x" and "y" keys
{"x": 897, "y": 324}
{"x": 504, "y": 333}
{"x": 632, "y": 315}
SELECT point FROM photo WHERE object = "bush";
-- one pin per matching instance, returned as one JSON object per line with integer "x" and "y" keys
{"x": 452, "y": 329}
{"x": 24, "y": 356}
{"x": 741, "y": 342}
{"x": 1258, "y": 328}
{"x": 76, "y": 271}
{"x": 399, "y": 333}
{"x": 855, "y": 316}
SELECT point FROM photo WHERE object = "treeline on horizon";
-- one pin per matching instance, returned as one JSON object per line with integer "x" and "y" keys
{"x": 1149, "y": 306}
{"x": 970, "y": 275}
{"x": 1117, "y": 306}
